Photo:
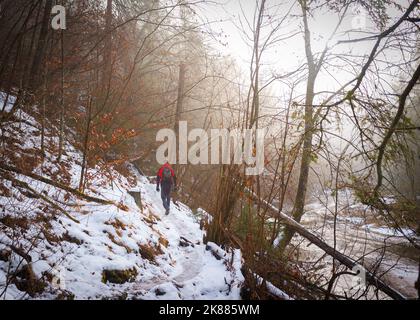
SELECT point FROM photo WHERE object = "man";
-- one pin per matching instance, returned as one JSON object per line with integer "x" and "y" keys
{"x": 167, "y": 180}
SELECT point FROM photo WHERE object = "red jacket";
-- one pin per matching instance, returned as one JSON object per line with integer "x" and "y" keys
{"x": 160, "y": 172}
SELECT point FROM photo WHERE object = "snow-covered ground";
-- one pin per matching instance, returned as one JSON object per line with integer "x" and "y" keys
{"x": 162, "y": 257}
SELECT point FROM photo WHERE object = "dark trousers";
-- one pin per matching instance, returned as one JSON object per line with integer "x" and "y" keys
{"x": 165, "y": 194}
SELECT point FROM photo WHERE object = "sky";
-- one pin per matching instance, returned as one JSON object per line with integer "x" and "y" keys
{"x": 285, "y": 56}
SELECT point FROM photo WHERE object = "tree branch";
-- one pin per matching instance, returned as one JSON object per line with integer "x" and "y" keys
{"x": 392, "y": 129}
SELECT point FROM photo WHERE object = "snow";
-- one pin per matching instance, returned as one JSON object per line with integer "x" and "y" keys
{"x": 182, "y": 273}
{"x": 277, "y": 240}
{"x": 352, "y": 220}
{"x": 6, "y": 104}
{"x": 274, "y": 290}
{"x": 109, "y": 238}
{"x": 203, "y": 214}
{"x": 389, "y": 231}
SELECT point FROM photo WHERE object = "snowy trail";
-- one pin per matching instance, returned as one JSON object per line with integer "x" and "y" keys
{"x": 197, "y": 274}
{"x": 191, "y": 260}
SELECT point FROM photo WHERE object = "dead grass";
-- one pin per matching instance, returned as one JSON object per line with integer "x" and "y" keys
{"x": 149, "y": 252}
{"x": 25, "y": 280}
{"x": 117, "y": 224}
{"x": 51, "y": 238}
{"x": 118, "y": 242}
{"x": 67, "y": 237}
{"x": 15, "y": 222}
{"x": 163, "y": 241}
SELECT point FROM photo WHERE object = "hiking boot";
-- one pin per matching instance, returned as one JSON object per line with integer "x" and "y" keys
{"x": 167, "y": 211}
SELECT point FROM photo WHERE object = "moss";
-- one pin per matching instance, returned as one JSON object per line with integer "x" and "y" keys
{"x": 119, "y": 276}
{"x": 349, "y": 96}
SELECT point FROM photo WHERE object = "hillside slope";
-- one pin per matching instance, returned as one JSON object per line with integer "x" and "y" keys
{"x": 91, "y": 250}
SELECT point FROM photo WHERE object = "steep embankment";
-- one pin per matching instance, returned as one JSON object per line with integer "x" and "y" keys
{"x": 91, "y": 250}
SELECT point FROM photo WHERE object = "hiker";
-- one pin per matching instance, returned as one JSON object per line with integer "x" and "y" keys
{"x": 167, "y": 180}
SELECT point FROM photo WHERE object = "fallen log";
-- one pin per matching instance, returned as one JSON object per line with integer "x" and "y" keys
{"x": 56, "y": 184}
{"x": 343, "y": 259}
{"x": 24, "y": 185}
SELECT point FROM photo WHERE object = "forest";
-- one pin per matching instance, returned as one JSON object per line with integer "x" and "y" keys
{"x": 291, "y": 129}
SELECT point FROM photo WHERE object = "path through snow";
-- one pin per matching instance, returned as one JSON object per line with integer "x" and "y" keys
{"x": 198, "y": 274}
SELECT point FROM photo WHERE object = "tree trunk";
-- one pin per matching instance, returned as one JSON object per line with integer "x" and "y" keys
{"x": 85, "y": 147}
{"x": 62, "y": 107}
{"x": 178, "y": 113}
{"x": 107, "y": 70}
{"x": 308, "y": 135}
{"x": 42, "y": 40}
{"x": 180, "y": 99}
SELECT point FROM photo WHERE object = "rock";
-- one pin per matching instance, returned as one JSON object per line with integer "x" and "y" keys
{"x": 183, "y": 243}
{"x": 159, "y": 292}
